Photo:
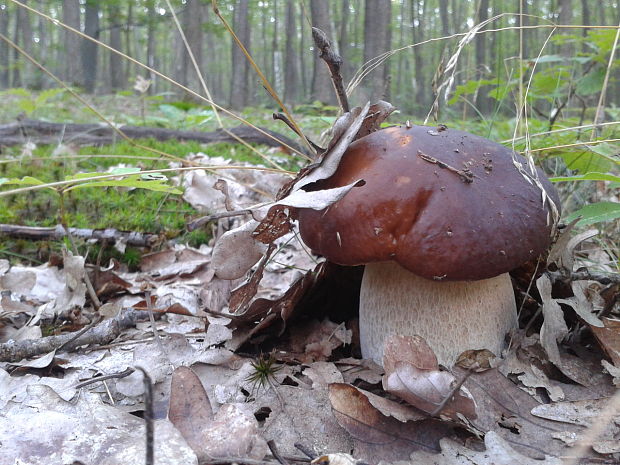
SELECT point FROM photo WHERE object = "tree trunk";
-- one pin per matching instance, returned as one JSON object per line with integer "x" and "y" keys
{"x": 90, "y": 49}
{"x": 566, "y": 17}
{"x": 377, "y": 18}
{"x": 240, "y": 65}
{"x": 116, "y": 62}
{"x": 25, "y": 31}
{"x": 192, "y": 26}
{"x": 445, "y": 17}
{"x": 483, "y": 102}
{"x": 343, "y": 40}
{"x": 5, "y": 59}
{"x": 71, "y": 17}
{"x": 419, "y": 83}
{"x": 322, "y": 88}
{"x": 291, "y": 73}
{"x": 150, "y": 42}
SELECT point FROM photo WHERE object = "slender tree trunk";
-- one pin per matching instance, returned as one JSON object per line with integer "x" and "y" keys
{"x": 5, "y": 59}
{"x": 303, "y": 61}
{"x": 116, "y": 62}
{"x": 90, "y": 49}
{"x": 566, "y": 17}
{"x": 343, "y": 39}
{"x": 150, "y": 42}
{"x": 71, "y": 17}
{"x": 278, "y": 79}
{"x": 482, "y": 101}
{"x": 291, "y": 73}
{"x": 25, "y": 29}
{"x": 192, "y": 26}
{"x": 240, "y": 65}
{"x": 419, "y": 83}
{"x": 377, "y": 16}
{"x": 445, "y": 17}
{"x": 322, "y": 89}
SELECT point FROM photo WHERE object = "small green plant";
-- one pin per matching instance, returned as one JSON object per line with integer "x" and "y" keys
{"x": 29, "y": 102}
{"x": 265, "y": 367}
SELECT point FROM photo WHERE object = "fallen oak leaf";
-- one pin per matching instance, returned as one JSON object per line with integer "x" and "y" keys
{"x": 412, "y": 374}
{"x": 497, "y": 452}
{"x": 379, "y": 437}
{"x": 428, "y": 389}
{"x": 209, "y": 434}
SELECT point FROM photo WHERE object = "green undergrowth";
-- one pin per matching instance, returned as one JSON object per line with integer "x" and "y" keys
{"x": 94, "y": 208}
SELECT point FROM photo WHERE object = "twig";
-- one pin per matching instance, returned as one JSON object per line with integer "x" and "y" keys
{"x": 453, "y": 391}
{"x": 89, "y": 285}
{"x": 96, "y": 379}
{"x": 583, "y": 275}
{"x": 198, "y": 222}
{"x": 102, "y": 333}
{"x": 149, "y": 306}
{"x": 334, "y": 62}
{"x": 132, "y": 238}
{"x": 274, "y": 451}
{"x": 306, "y": 450}
{"x": 148, "y": 417}
{"x": 596, "y": 428}
{"x": 466, "y": 175}
{"x": 282, "y": 117}
{"x": 92, "y": 324}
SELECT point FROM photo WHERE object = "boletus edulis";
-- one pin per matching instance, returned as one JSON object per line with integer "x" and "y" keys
{"x": 443, "y": 217}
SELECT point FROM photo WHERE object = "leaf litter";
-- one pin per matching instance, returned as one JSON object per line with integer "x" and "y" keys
{"x": 254, "y": 291}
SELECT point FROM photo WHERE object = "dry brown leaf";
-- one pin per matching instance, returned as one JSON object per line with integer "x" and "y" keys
{"x": 427, "y": 389}
{"x": 377, "y": 436}
{"x": 210, "y": 435}
{"x": 377, "y": 114}
{"x": 505, "y": 409}
{"x": 190, "y": 410}
{"x": 236, "y": 251}
{"x": 412, "y": 374}
{"x": 609, "y": 339}
{"x": 411, "y": 349}
{"x": 498, "y": 452}
{"x": 331, "y": 159}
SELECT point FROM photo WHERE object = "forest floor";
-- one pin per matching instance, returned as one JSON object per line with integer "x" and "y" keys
{"x": 97, "y": 337}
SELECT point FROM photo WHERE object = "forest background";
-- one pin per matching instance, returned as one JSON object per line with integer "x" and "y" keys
{"x": 540, "y": 75}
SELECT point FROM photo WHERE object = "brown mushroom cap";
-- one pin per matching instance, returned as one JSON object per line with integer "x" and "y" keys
{"x": 443, "y": 203}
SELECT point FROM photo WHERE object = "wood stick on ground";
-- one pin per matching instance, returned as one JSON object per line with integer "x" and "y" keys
{"x": 103, "y": 333}
{"x": 110, "y": 235}
{"x": 334, "y": 63}
{"x": 42, "y": 132}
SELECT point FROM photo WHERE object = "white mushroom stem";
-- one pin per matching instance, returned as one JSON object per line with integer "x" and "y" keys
{"x": 452, "y": 316}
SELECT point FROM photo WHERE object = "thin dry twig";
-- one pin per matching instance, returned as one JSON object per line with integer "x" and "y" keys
{"x": 97, "y": 379}
{"x": 276, "y": 454}
{"x": 583, "y": 275}
{"x": 103, "y": 333}
{"x": 334, "y": 63}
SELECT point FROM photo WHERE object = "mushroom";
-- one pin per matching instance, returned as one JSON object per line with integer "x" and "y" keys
{"x": 443, "y": 217}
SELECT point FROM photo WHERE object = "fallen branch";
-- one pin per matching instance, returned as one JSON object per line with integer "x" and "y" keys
{"x": 334, "y": 63}
{"x": 100, "y": 334}
{"x": 42, "y": 132}
{"x": 109, "y": 235}
{"x": 583, "y": 275}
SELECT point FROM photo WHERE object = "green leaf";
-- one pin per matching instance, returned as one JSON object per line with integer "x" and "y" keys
{"x": 606, "y": 150}
{"x": 47, "y": 94}
{"x": 172, "y": 113}
{"x": 592, "y": 176}
{"x": 156, "y": 186}
{"x": 25, "y": 181}
{"x": 121, "y": 171}
{"x": 596, "y": 159}
{"x": 591, "y": 83}
{"x": 596, "y": 213}
{"x": 26, "y": 105}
